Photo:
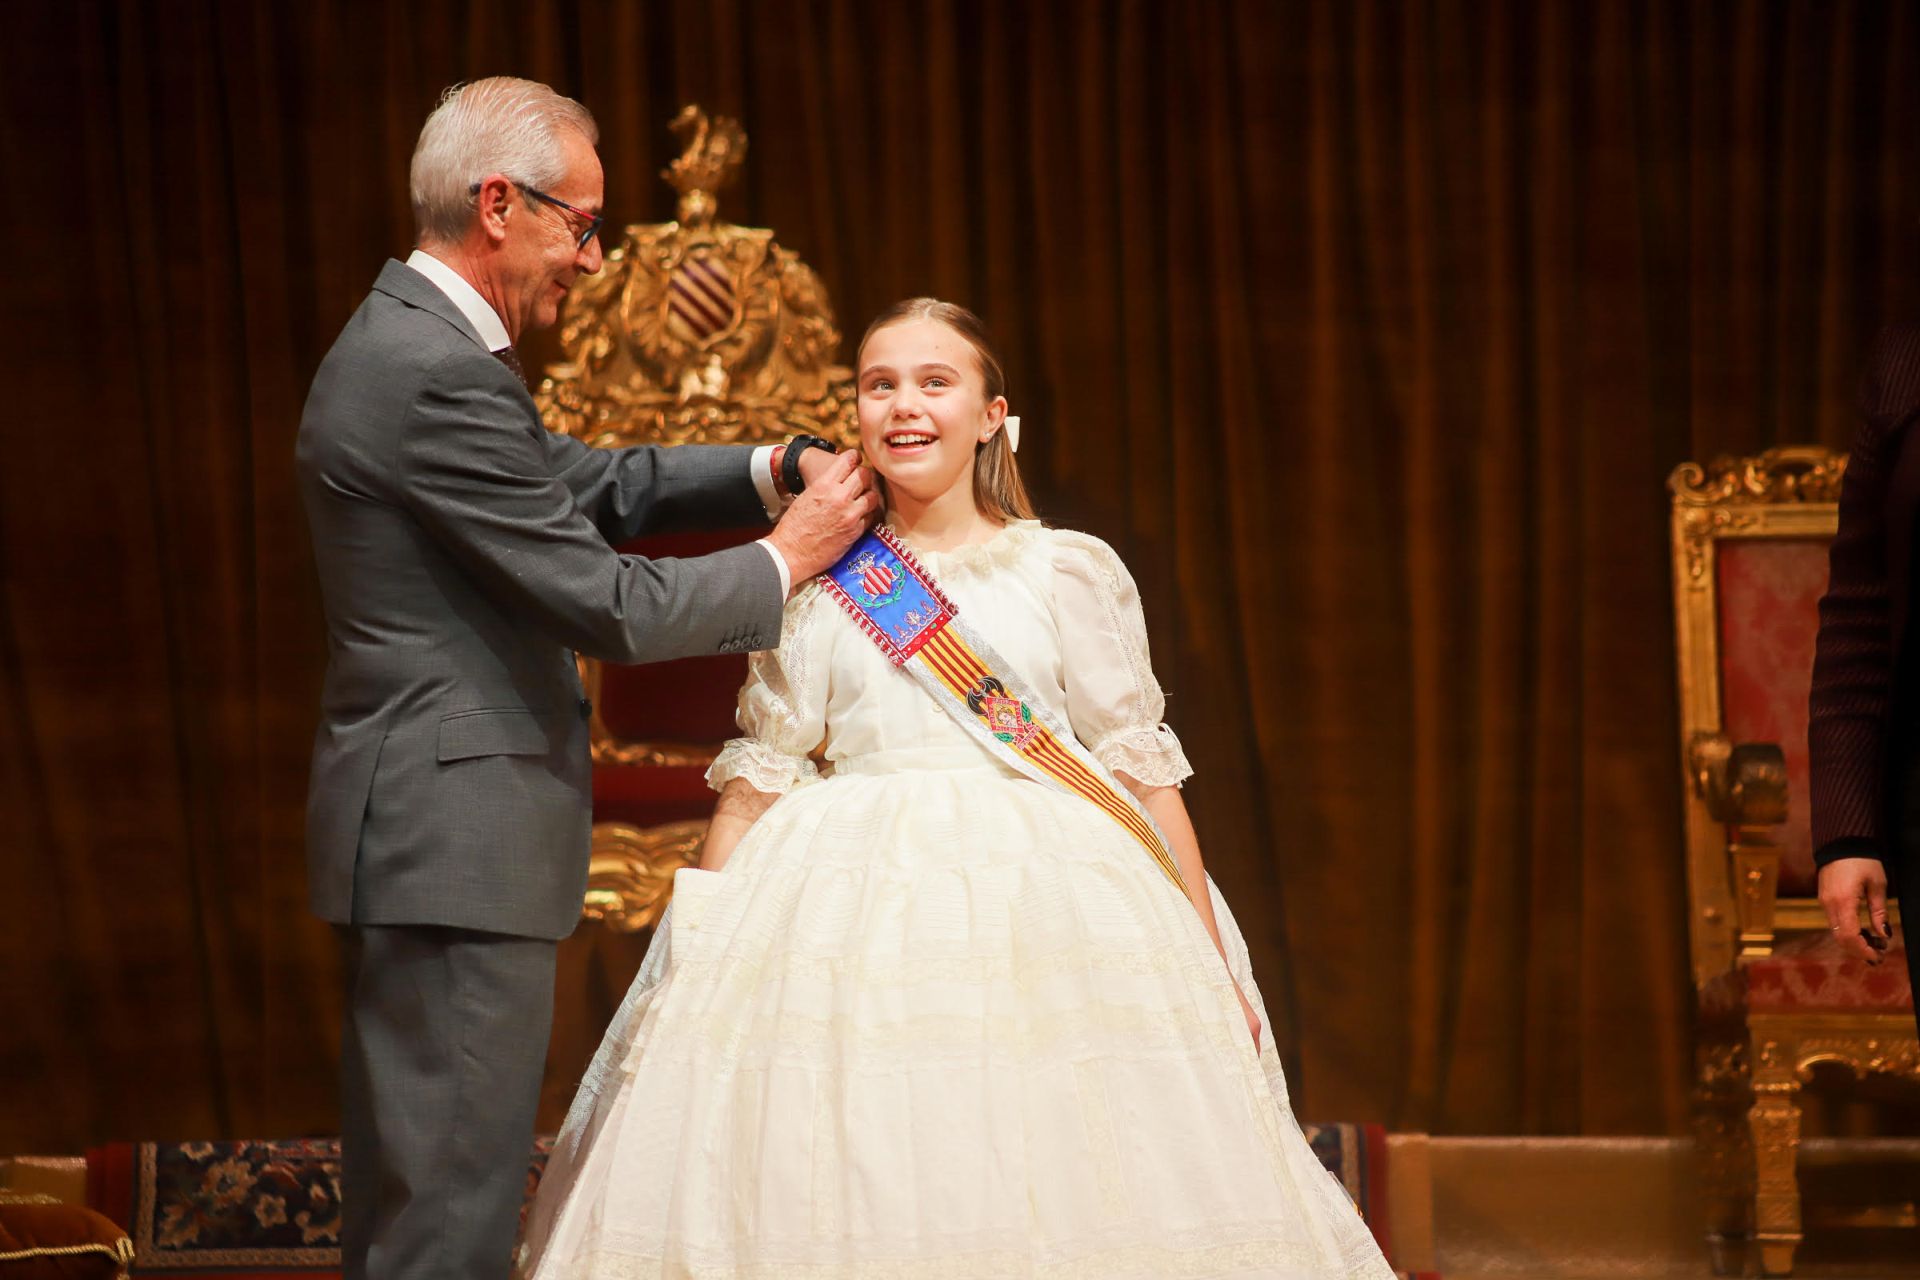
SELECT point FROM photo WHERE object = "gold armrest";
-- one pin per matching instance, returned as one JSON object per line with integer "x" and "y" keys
{"x": 1744, "y": 786}
{"x": 630, "y": 871}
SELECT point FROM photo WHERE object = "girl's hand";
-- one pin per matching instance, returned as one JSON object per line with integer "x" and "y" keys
{"x": 739, "y": 807}
{"x": 1253, "y": 1019}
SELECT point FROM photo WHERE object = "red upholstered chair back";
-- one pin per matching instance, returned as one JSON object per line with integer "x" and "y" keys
{"x": 1769, "y": 593}
{"x": 657, "y": 727}
{"x": 1750, "y": 542}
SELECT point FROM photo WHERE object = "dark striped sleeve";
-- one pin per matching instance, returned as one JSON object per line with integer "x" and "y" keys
{"x": 1853, "y": 667}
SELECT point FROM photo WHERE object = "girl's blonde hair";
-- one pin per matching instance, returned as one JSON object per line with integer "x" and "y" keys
{"x": 997, "y": 490}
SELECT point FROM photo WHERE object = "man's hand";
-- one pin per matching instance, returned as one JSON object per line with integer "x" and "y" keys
{"x": 1844, "y": 882}
{"x": 815, "y": 463}
{"x": 839, "y": 503}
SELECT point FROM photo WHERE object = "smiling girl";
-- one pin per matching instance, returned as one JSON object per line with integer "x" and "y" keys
{"x": 949, "y": 994}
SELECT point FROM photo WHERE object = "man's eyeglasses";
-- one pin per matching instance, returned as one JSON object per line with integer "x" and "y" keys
{"x": 594, "y": 220}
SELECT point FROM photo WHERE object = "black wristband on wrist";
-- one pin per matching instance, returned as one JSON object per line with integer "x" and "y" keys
{"x": 790, "y": 461}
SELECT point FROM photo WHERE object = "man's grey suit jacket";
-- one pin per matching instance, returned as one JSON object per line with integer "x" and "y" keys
{"x": 463, "y": 553}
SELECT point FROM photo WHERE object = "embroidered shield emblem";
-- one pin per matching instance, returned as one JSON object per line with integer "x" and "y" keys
{"x": 876, "y": 581}
{"x": 702, "y": 302}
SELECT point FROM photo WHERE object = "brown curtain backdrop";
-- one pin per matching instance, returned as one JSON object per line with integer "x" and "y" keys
{"x": 1368, "y": 332}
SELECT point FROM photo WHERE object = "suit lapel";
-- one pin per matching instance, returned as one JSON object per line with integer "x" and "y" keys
{"x": 400, "y": 281}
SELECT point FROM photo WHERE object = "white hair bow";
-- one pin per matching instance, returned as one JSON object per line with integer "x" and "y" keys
{"x": 1012, "y": 427}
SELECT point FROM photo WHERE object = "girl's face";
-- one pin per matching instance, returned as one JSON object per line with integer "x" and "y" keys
{"x": 923, "y": 408}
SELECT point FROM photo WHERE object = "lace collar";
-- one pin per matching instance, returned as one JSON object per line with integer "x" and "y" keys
{"x": 999, "y": 551}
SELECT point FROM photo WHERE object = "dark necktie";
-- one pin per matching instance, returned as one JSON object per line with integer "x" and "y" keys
{"x": 511, "y": 358}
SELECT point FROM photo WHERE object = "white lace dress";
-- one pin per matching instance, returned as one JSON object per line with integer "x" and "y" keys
{"x": 934, "y": 1019}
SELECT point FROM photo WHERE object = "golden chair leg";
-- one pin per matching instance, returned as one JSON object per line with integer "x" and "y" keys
{"x": 1775, "y": 1125}
{"x": 1723, "y": 1094}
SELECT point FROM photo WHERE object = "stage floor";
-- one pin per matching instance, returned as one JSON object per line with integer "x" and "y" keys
{"x": 1607, "y": 1208}
{"x": 1548, "y": 1208}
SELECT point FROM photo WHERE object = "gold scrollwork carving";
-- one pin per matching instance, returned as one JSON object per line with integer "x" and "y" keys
{"x": 1699, "y": 527}
{"x": 699, "y": 331}
{"x": 630, "y": 871}
{"x": 1784, "y": 474}
{"x": 715, "y": 150}
{"x": 1864, "y": 1054}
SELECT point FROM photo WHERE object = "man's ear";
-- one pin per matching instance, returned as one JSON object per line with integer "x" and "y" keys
{"x": 493, "y": 203}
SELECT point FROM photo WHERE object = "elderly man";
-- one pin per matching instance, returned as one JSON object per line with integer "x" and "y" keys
{"x": 464, "y": 555}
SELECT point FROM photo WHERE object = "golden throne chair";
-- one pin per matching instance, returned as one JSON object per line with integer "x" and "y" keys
{"x": 695, "y": 331}
{"x": 1775, "y": 994}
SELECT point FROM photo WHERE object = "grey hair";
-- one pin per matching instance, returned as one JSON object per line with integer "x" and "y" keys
{"x": 497, "y": 125}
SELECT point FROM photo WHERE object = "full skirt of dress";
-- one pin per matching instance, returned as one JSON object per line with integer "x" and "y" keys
{"x": 936, "y": 1020}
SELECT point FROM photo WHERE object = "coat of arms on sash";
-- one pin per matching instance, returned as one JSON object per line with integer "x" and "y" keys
{"x": 878, "y": 583}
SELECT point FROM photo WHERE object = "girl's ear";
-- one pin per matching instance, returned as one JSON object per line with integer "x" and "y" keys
{"x": 996, "y": 416}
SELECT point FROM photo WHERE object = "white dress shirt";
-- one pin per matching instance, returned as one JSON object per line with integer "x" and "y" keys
{"x": 493, "y": 332}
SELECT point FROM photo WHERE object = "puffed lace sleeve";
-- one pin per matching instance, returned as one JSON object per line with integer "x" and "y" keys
{"x": 782, "y": 710}
{"x": 1113, "y": 701}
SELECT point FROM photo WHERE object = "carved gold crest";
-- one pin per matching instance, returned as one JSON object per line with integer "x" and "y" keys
{"x": 696, "y": 330}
